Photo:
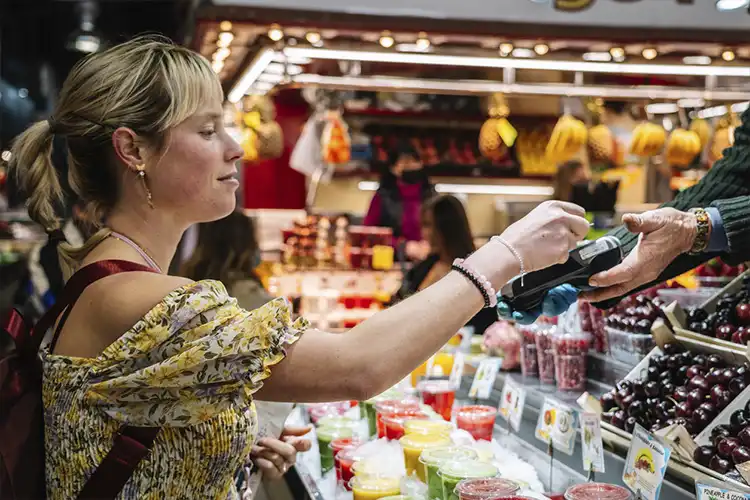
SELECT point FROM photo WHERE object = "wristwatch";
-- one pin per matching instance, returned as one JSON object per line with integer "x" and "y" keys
{"x": 703, "y": 230}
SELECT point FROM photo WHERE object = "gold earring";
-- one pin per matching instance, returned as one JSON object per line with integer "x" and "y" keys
{"x": 142, "y": 175}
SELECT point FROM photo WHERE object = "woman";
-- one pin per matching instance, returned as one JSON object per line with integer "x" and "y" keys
{"x": 572, "y": 182}
{"x": 150, "y": 157}
{"x": 398, "y": 201}
{"x": 445, "y": 227}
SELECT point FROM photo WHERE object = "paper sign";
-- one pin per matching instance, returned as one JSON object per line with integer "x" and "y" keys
{"x": 591, "y": 442}
{"x": 708, "y": 492}
{"x": 512, "y": 402}
{"x": 646, "y": 464}
{"x": 484, "y": 379}
{"x": 458, "y": 369}
{"x": 557, "y": 424}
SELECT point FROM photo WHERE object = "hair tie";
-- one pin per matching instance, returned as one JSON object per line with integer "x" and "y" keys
{"x": 56, "y": 236}
{"x": 52, "y": 125}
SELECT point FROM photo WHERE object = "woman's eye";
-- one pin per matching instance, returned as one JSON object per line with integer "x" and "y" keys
{"x": 208, "y": 133}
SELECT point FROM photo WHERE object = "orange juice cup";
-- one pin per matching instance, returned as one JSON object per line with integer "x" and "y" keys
{"x": 479, "y": 421}
{"x": 393, "y": 423}
{"x": 440, "y": 395}
{"x": 413, "y": 446}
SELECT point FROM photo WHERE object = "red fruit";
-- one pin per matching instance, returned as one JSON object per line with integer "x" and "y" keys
{"x": 744, "y": 335}
{"x": 740, "y": 455}
{"x": 744, "y": 436}
{"x": 743, "y": 313}
{"x": 726, "y": 446}
{"x": 736, "y": 338}
{"x": 725, "y": 332}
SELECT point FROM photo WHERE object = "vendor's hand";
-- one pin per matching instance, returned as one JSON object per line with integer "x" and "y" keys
{"x": 555, "y": 302}
{"x": 665, "y": 234}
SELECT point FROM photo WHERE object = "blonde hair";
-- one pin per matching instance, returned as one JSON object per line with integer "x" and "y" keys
{"x": 148, "y": 84}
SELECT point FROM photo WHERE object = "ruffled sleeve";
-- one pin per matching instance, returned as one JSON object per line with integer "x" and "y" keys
{"x": 193, "y": 356}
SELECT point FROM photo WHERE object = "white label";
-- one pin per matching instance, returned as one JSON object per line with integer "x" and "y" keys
{"x": 557, "y": 424}
{"x": 646, "y": 464}
{"x": 512, "y": 403}
{"x": 591, "y": 442}
{"x": 708, "y": 492}
{"x": 484, "y": 379}
{"x": 458, "y": 370}
{"x": 594, "y": 249}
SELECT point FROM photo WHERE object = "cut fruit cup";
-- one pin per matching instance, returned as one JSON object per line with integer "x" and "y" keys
{"x": 374, "y": 487}
{"x": 453, "y": 473}
{"x": 440, "y": 395}
{"x": 393, "y": 423}
{"x": 486, "y": 489}
{"x": 414, "y": 444}
{"x": 545, "y": 354}
{"x": 326, "y": 435}
{"x": 529, "y": 360}
{"x": 390, "y": 406}
{"x": 477, "y": 420}
{"x": 337, "y": 448}
{"x": 597, "y": 491}
{"x": 570, "y": 360}
{"x": 432, "y": 459}
{"x": 347, "y": 459}
{"x": 432, "y": 427}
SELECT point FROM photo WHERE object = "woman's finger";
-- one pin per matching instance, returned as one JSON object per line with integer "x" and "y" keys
{"x": 571, "y": 208}
{"x": 579, "y": 226}
{"x": 279, "y": 461}
{"x": 296, "y": 431}
{"x": 284, "y": 449}
{"x": 270, "y": 471}
{"x": 300, "y": 444}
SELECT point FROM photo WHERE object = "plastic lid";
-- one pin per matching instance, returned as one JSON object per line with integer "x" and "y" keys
{"x": 486, "y": 489}
{"x": 436, "y": 386}
{"x": 337, "y": 422}
{"x": 438, "y": 456}
{"x": 424, "y": 441}
{"x": 427, "y": 427}
{"x": 396, "y": 404}
{"x": 400, "y": 417}
{"x": 467, "y": 469}
{"x": 376, "y": 484}
{"x": 331, "y": 433}
{"x": 597, "y": 491}
{"x": 398, "y": 497}
{"x": 476, "y": 411}
{"x": 560, "y": 336}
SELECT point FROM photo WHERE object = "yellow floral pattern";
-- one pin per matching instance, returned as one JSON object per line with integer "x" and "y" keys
{"x": 189, "y": 366}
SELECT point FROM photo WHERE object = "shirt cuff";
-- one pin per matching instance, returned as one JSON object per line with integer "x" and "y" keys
{"x": 718, "y": 241}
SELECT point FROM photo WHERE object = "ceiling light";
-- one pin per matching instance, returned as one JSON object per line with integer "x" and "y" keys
{"x": 506, "y": 49}
{"x": 221, "y": 54}
{"x": 225, "y": 39}
{"x": 251, "y": 74}
{"x": 264, "y": 85}
{"x": 284, "y": 69}
{"x": 725, "y": 5}
{"x": 649, "y": 53}
{"x": 225, "y": 26}
{"x": 386, "y": 40}
{"x": 617, "y": 52}
{"x": 541, "y": 49}
{"x": 507, "y": 189}
{"x": 699, "y": 60}
{"x": 523, "y": 53}
{"x": 313, "y": 37}
{"x": 6, "y": 155}
{"x": 597, "y": 56}
{"x": 423, "y": 43}
{"x": 691, "y": 103}
{"x": 717, "y": 111}
{"x": 662, "y": 108}
{"x": 275, "y": 33}
{"x": 217, "y": 66}
{"x": 728, "y": 55}
{"x": 84, "y": 38}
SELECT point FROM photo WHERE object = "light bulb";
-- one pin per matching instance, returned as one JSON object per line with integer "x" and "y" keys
{"x": 217, "y": 66}
{"x": 386, "y": 40}
{"x": 423, "y": 43}
{"x": 541, "y": 49}
{"x": 225, "y": 26}
{"x": 225, "y": 39}
{"x": 506, "y": 49}
{"x": 221, "y": 54}
{"x": 275, "y": 33}
{"x": 313, "y": 37}
{"x": 728, "y": 55}
{"x": 617, "y": 52}
{"x": 649, "y": 53}
{"x": 724, "y": 5}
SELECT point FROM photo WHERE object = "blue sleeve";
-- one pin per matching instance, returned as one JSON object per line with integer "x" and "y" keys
{"x": 718, "y": 241}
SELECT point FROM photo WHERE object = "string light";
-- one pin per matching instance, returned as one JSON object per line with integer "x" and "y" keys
{"x": 649, "y": 53}
{"x": 506, "y": 49}
{"x": 728, "y": 55}
{"x": 217, "y": 66}
{"x": 313, "y": 37}
{"x": 221, "y": 54}
{"x": 225, "y": 39}
{"x": 422, "y": 43}
{"x": 275, "y": 33}
{"x": 225, "y": 26}
{"x": 541, "y": 49}
{"x": 386, "y": 40}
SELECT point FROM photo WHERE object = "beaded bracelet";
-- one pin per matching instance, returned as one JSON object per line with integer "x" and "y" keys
{"x": 482, "y": 283}
{"x": 514, "y": 252}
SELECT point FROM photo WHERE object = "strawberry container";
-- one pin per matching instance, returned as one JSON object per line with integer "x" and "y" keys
{"x": 545, "y": 353}
{"x": 570, "y": 351}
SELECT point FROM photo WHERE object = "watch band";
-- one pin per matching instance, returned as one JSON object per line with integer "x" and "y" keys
{"x": 703, "y": 226}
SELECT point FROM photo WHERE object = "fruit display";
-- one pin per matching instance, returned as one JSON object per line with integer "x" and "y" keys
{"x": 716, "y": 273}
{"x": 335, "y": 143}
{"x": 531, "y": 151}
{"x": 545, "y": 352}
{"x": 261, "y": 136}
{"x": 628, "y": 325}
{"x": 529, "y": 360}
{"x": 723, "y": 136}
{"x": 703, "y": 129}
{"x": 648, "y": 140}
{"x": 601, "y": 143}
{"x": 730, "y": 321}
{"x": 682, "y": 147}
{"x": 593, "y": 322}
{"x": 568, "y": 137}
{"x": 497, "y": 134}
{"x": 678, "y": 387}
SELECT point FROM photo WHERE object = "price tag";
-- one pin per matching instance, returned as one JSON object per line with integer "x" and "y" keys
{"x": 708, "y": 492}
{"x": 484, "y": 379}
{"x": 512, "y": 402}
{"x": 557, "y": 424}
{"x": 646, "y": 464}
{"x": 458, "y": 370}
{"x": 591, "y": 442}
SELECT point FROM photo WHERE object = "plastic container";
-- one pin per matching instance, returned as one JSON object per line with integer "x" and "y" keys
{"x": 570, "y": 360}
{"x": 443, "y": 360}
{"x": 413, "y": 446}
{"x": 390, "y": 406}
{"x": 428, "y": 427}
{"x": 486, "y": 489}
{"x": 597, "y": 316}
{"x": 529, "y": 360}
{"x": 687, "y": 298}
{"x": 326, "y": 435}
{"x": 478, "y": 420}
{"x": 346, "y": 460}
{"x": 545, "y": 353}
{"x": 629, "y": 347}
{"x": 432, "y": 459}
{"x": 597, "y": 491}
{"x": 374, "y": 488}
{"x": 453, "y": 473}
{"x": 337, "y": 447}
{"x": 440, "y": 395}
{"x": 393, "y": 423}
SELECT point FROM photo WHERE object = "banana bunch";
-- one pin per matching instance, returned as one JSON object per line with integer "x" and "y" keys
{"x": 531, "y": 151}
{"x": 648, "y": 140}
{"x": 703, "y": 129}
{"x": 568, "y": 137}
{"x": 682, "y": 147}
{"x": 601, "y": 143}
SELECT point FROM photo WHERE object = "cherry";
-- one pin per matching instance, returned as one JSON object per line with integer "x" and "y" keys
{"x": 742, "y": 311}
{"x": 736, "y": 386}
{"x": 695, "y": 371}
{"x": 700, "y": 419}
{"x": 618, "y": 419}
{"x": 681, "y": 393}
{"x": 703, "y": 455}
{"x": 683, "y": 410}
{"x": 696, "y": 398}
{"x": 744, "y": 436}
{"x": 608, "y": 401}
{"x": 725, "y": 332}
{"x": 740, "y": 455}
{"x": 699, "y": 383}
{"x": 726, "y": 446}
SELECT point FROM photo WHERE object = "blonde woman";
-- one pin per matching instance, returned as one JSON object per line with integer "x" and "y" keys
{"x": 149, "y": 156}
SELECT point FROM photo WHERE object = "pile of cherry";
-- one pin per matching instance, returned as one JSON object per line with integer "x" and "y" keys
{"x": 730, "y": 322}
{"x": 679, "y": 387}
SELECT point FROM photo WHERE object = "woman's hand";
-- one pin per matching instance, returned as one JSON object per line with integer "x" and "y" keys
{"x": 274, "y": 457}
{"x": 665, "y": 234}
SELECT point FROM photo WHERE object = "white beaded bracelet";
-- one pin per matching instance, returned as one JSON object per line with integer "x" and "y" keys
{"x": 479, "y": 279}
{"x": 515, "y": 253}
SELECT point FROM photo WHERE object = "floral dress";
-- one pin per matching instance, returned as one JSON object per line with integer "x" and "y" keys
{"x": 189, "y": 366}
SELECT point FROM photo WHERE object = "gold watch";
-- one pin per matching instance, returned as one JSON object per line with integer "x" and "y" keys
{"x": 703, "y": 228}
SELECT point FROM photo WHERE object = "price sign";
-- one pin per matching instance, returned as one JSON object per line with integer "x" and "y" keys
{"x": 591, "y": 442}
{"x": 708, "y": 492}
{"x": 512, "y": 403}
{"x": 646, "y": 464}
{"x": 484, "y": 379}
{"x": 557, "y": 424}
{"x": 458, "y": 369}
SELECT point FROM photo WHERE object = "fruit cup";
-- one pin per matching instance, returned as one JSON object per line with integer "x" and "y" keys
{"x": 570, "y": 360}
{"x": 601, "y": 343}
{"x": 393, "y": 423}
{"x": 440, "y": 395}
{"x": 545, "y": 353}
{"x": 486, "y": 489}
{"x": 432, "y": 459}
{"x": 597, "y": 491}
{"x": 453, "y": 473}
{"x": 432, "y": 427}
{"x": 413, "y": 446}
{"x": 391, "y": 406}
{"x": 443, "y": 360}
{"x": 374, "y": 487}
{"x": 479, "y": 421}
{"x": 529, "y": 360}
{"x": 337, "y": 447}
{"x": 326, "y": 435}
{"x": 347, "y": 458}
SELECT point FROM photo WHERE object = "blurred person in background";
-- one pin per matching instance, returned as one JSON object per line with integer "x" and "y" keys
{"x": 445, "y": 227}
{"x": 397, "y": 204}
{"x": 571, "y": 183}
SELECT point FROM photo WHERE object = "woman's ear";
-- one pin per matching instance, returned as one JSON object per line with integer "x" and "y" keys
{"x": 128, "y": 147}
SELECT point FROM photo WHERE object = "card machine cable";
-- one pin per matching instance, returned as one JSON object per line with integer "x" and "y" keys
{"x": 583, "y": 262}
